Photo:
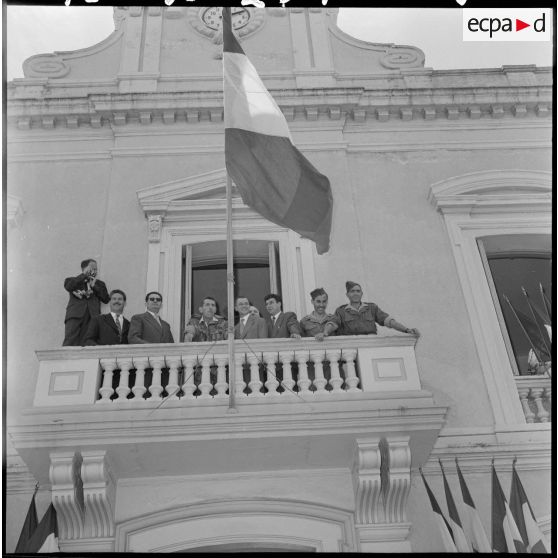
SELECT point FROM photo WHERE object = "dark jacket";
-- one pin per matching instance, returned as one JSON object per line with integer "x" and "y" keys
{"x": 145, "y": 329}
{"x": 285, "y": 325}
{"x": 79, "y": 307}
{"x": 102, "y": 330}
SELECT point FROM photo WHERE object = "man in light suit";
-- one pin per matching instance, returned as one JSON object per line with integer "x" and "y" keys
{"x": 249, "y": 326}
{"x": 111, "y": 328}
{"x": 279, "y": 323}
{"x": 149, "y": 327}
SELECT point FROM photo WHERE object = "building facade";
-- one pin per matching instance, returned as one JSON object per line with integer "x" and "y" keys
{"x": 115, "y": 152}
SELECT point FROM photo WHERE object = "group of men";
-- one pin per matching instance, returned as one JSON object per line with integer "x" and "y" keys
{"x": 85, "y": 325}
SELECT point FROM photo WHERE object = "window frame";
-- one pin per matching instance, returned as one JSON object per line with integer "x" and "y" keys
{"x": 482, "y": 204}
{"x": 192, "y": 210}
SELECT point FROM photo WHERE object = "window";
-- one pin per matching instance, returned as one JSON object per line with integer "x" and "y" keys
{"x": 517, "y": 266}
{"x": 256, "y": 273}
{"x": 483, "y": 208}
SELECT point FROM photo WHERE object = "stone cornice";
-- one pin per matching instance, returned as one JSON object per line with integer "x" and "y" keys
{"x": 404, "y": 98}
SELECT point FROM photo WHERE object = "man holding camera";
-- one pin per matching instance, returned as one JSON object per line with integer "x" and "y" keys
{"x": 86, "y": 294}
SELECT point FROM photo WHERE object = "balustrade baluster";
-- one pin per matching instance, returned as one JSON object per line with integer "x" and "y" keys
{"x": 333, "y": 355}
{"x": 542, "y": 413}
{"x": 351, "y": 378}
{"x": 173, "y": 362}
{"x": 189, "y": 387}
{"x": 271, "y": 374}
{"x": 140, "y": 364}
{"x": 286, "y": 358}
{"x": 548, "y": 396}
{"x": 524, "y": 398}
{"x": 124, "y": 363}
{"x": 239, "y": 383}
{"x": 255, "y": 384}
{"x": 155, "y": 389}
{"x": 205, "y": 385}
{"x": 108, "y": 365}
{"x": 317, "y": 357}
{"x": 304, "y": 381}
{"x": 221, "y": 384}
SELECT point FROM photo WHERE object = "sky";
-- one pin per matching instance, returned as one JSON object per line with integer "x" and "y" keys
{"x": 437, "y": 32}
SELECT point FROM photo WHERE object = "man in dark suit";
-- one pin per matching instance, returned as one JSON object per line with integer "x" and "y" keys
{"x": 249, "y": 326}
{"x": 279, "y": 323}
{"x": 111, "y": 328}
{"x": 149, "y": 327}
{"x": 86, "y": 294}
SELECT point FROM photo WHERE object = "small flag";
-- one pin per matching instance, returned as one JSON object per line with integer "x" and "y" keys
{"x": 443, "y": 525}
{"x": 505, "y": 534}
{"x": 479, "y": 540}
{"x": 45, "y": 537}
{"x": 273, "y": 177}
{"x": 525, "y": 518}
{"x": 532, "y": 332}
{"x": 29, "y": 526}
{"x": 459, "y": 537}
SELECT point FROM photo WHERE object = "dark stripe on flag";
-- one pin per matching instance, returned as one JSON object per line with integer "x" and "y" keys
{"x": 467, "y": 499}
{"x": 278, "y": 182}
{"x": 230, "y": 44}
{"x": 46, "y": 527}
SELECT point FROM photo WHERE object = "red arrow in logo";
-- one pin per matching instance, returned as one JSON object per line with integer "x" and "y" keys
{"x": 519, "y": 25}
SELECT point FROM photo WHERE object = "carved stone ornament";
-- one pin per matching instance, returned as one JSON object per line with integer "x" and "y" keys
{"x": 154, "y": 223}
{"x": 67, "y": 493}
{"x": 119, "y": 15}
{"x": 45, "y": 65}
{"x": 402, "y": 57}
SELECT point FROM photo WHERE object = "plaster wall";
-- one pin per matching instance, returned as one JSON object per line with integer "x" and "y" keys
{"x": 136, "y": 497}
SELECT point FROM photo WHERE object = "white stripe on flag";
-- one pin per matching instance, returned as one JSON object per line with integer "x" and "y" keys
{"x": 248, "y": 104}
{"x": 449, "y": 545}
{"x": 534, "y": 533}
{"x": 511, "y": 532}
{"x": 50, "y": 545}
{"x": 478, "y": 534}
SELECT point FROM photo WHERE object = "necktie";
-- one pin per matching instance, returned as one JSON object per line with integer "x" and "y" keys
{"x": 117, "y": 320}
{"x": 274, "y": 319}
{"x": 242, "y": 326}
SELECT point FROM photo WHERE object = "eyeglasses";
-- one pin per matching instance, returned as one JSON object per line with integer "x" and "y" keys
{"x": 156, "y": 299}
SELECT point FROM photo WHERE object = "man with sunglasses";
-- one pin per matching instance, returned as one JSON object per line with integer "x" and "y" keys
{"x": 149, "y": 327}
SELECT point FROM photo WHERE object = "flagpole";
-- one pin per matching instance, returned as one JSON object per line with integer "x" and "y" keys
{"x": 537, "y": 354}
{"x": 535, "y": 319}
{"x": 230, "y": 299}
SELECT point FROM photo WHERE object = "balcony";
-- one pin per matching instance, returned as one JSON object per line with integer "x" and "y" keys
{"x": 106, "y": 415}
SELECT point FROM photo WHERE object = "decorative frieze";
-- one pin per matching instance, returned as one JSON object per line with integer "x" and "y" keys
{"x": 312, "y": 113}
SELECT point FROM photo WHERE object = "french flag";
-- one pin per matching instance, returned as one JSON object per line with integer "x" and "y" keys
{"x": 271, "y": 174}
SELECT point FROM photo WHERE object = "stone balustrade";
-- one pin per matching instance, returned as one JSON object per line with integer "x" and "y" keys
{"x": 535, "y": 395}
{"x": 264, "y": 369}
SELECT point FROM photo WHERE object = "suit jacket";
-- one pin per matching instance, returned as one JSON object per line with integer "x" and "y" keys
{"x": 285, "y": 325}
{"x": 255, "y": 328}
{"x": 102, "y": 330}
{"x": 145, "y": 329}
{"x": 79, "y": 307}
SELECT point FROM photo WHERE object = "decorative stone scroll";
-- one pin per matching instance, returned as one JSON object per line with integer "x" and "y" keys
{"x": 399, "y": 57}
{"x": 382, "y": 480}
{"x": 67, "y": 493}
{"x": 99, "y": 489}
{"x": 45, "y": 65}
